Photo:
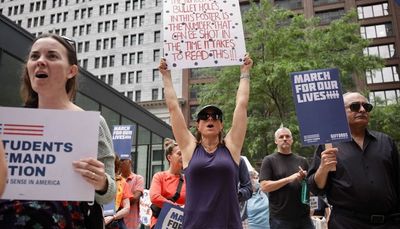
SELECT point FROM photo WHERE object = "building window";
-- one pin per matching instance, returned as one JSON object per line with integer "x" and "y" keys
{"x": 131, "y": 77}
{"x": 112, "y": 61}
{"x": 384, "y": 75}
{"x": 85, "y": 63}
{"x": 125, "y": 40}
{"x": 291, "y": 5}
{"x": 138, "y": 76}
{"x": 104, "y": 62}
{"x": 156, "y": 74}
{"x": 330, "y": 15}
{"x": 127, "y": 5}
{"x": 154, "y": 94}
{"x": 110, "y": 79}
{"x": 124, "y": 59}
{"x": 158, "y": 2}
{"x": 113, "y": 42}
{"x": 141, "y": 38}
{"x": 376, "y": 10}
{"x": 157, "y": 19}
{"x": 87, "y": 45}
{"x": 383, "y": 51}
{"x": 98, "y": 44}
{"x": 157, "y": 36}
{"x": 140, "y": 57}
{"x": 130, "y": 95}
{"x": 132, "y": 58}
{"x": 376, "y": 31}
{"x": 138, "y": 95}
{"x": 123, "y": 78}
{"x": 97, "y": 62}
{"x": 141, "y": 21}
{"x": 103, "y": 78}
{"x": 385, "y": 97}
{"x": 156, "y": 55}
{"x": 133, "y": 39}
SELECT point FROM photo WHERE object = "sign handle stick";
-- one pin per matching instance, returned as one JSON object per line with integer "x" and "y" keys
{"x": 329, "y": 146}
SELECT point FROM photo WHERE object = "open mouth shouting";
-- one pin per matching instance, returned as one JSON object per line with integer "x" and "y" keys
{"x": 41, "y": 75}
{"x": 210, "y": 125}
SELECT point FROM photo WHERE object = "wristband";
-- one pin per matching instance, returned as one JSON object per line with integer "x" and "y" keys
{"x": 245, "y": 76}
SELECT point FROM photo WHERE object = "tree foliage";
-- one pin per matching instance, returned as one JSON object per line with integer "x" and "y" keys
{"x": 280, "y": 42}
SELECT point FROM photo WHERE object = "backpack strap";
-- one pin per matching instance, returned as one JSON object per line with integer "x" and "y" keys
{"x": 178, "y": 190}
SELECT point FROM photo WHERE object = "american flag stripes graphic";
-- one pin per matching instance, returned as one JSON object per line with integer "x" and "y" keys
{"x": 21, "y": 129}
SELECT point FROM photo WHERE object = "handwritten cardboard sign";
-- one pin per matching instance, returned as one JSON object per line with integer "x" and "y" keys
{"x": 202, "y": 33}
{"x": 40, "y": 147}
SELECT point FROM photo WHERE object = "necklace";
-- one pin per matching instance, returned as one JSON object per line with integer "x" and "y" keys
{"x": 210, "y": 149}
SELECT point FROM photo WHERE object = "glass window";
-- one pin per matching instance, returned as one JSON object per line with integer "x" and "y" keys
{"x": 141, "y": 38}
{"x": 156, "y": 74}
{"x": 140, "y": 57}
{"x": 376, "y": 10}
{"x": 125, "y": 40}
{"x": 124, "y": 59}
{"x": 123, "y": 78}
{"x": 143, "y": 135}
{"x": 154, "y": 94}
{"x": 110, "y": 79}
{"x": 86, "y": 103}
{"x": 131, "y": 77}
{"x": 11, "y": 68}
{"x": 132, "y": 58}
{"x": 111, "y": 116}
{"x": 138, "y": 96}
{"x": 156, "y": 55}
{"x": 139, "y": 76}
{"x": 157, "y": 19}
{"x": 157, "y": 36}
{"x": 130, "y": 95}
{"x": 133, "y": 39}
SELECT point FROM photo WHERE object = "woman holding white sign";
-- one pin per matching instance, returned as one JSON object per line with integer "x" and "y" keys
{"x": 49, "y": 82}
{"x": 210, "y": 160}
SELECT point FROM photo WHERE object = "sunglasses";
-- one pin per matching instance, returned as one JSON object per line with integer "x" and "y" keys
{"x": 69, "y": 41}
{"x": 206, "y": 116}
{"x": 355, "y": 107}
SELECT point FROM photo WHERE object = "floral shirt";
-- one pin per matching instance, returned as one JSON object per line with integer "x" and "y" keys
{"x": 40, "y": 214}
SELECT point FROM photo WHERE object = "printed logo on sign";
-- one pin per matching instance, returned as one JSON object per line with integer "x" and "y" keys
{"x": 339, "y": 136}
{"x": 311, "y": 138}
{"x": 21, "y": 129}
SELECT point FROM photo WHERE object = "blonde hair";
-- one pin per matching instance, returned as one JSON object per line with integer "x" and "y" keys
{"x": 169, "y": 145}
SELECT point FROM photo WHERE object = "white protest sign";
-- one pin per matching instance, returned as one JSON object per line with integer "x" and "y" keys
{"x": 40, "y": 147}
{"x": 145, "y": 211}
{"x": 202, "y": 33}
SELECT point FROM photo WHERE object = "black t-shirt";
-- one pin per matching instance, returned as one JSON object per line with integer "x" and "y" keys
{"x": 285, "y": 203}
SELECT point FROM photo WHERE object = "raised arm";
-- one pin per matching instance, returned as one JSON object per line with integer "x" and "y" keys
{"x": 235, "y": 137}
{"x": 183, "y": 136}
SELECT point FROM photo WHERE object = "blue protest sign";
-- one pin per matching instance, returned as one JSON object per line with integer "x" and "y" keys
{"x": 319, "y": 105}
{"x": 171, "y": 217}
{"x": 122, "y": 140}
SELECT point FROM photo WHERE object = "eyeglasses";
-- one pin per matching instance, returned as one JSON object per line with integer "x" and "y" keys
{"x": 355, "y": 107}
{"x": 69, "y": 41}
{"x": 206, "y": 116}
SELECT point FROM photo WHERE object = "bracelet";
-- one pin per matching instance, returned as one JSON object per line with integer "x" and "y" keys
{"x": 245, "y": 76}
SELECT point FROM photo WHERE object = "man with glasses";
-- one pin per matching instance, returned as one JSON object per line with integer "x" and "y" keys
{"x": 361, "y": 177}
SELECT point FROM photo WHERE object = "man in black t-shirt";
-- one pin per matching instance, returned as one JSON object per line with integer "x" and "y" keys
{"x": 281, "y": 175}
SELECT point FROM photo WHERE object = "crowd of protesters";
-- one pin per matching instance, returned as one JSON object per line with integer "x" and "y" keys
{"x": 359, "y": 180}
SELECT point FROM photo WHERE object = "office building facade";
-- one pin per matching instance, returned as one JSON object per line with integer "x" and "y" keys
{"x": 93, "y": 94}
